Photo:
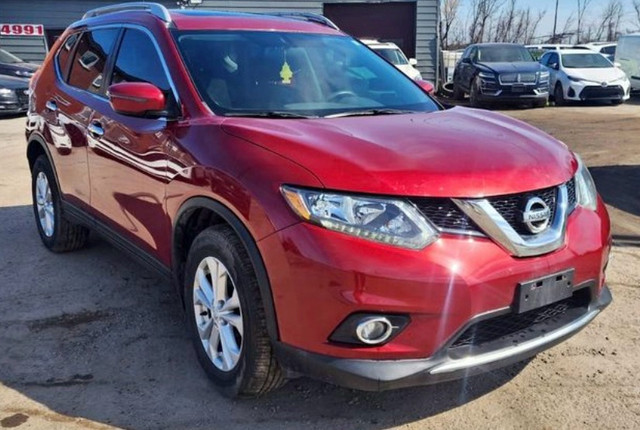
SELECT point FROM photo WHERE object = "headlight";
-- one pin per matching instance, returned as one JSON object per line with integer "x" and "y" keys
{"x": 390, "y": 221}
{"x": 6, "y": 92}
{"x": 24, "y": 73}
{"x": 544, "y": 75}
{"x": 486, "y": 75}
{"x": 622, "y": 78}
{"x": 573, "y": 78}
{"x": 586, "y": 194}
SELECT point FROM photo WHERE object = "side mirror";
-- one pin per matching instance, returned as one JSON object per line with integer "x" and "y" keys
{"x": 554, "y": 66}
{"x": 466, "y": 60}
{"x": 137, "y": 99}
{"x": 426, "y": 86}
{"x": 617, "y": 64}
{"x": 413, "y": 61}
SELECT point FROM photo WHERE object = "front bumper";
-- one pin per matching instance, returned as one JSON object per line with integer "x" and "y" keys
{"x": 582, "y": 91}
{"x": 379, "y": 375}
{"x": 13, "y": 106}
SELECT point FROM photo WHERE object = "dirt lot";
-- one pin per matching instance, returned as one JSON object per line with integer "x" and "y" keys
{"x": 91, "y": 340}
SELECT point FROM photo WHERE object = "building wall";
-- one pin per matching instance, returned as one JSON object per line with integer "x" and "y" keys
{"x": 56, "y": 14}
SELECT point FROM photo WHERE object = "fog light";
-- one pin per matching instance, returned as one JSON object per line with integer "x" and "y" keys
{"x": 374, "y": 330}
{"x": 369, "y": 329}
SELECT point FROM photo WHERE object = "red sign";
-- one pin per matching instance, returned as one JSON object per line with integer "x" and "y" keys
{"x": 21, "y": 30}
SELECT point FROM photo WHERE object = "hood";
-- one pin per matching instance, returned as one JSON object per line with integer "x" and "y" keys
{"x": 606, "y": 74}
{"x": 13, "y": 83}
{"x": 520, "y": 67}
{"x": 6, "y": 68}
{"x": 454, "y": 153}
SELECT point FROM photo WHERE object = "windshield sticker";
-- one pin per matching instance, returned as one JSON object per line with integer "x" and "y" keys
{"x": 285, "y": 73}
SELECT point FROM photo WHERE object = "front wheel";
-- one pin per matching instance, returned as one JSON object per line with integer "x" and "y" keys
{"x": 56, "y": 232}
{"x": 226, "y": 317}
{"x": 474, "y": 94}
{"x": 458, "y": 93}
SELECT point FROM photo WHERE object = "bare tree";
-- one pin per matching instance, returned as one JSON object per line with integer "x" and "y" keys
{"x": 610, "y": 20}
{"x": 636, "y": 8}
{"x": 582, "y": 9}
{"x": 449, "y": 10}
{"x": 481, "y": 13}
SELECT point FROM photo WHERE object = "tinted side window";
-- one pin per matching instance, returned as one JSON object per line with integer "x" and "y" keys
{"x": 545, "y": 59}
{"x": 90, "y": 59}
{"x": 608, "y": 50}
{"x": 63, "y": 56}
{"x": 138, "y": 61}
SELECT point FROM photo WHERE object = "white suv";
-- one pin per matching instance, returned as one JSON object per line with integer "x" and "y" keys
{"x": 393, "y": 54}
{"x": 579, "y": 74}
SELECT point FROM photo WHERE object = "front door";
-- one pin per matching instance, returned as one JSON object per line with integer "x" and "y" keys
{"x": 128, "y": 154}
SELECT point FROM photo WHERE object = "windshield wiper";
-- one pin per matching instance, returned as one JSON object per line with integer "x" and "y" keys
{"x": 369, "y": 112}
{"x": 269, "y": 114}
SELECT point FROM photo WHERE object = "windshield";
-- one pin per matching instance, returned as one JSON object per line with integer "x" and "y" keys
{"x": 585, "y": 61}
{"x": 281, "y": 74}
{"x": 503, "y": 54}
{"x": 8, "y": 57}
{"x": 394, "y": 56}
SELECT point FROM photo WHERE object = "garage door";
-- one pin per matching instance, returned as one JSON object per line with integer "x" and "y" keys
{"x": 389, "y": 22}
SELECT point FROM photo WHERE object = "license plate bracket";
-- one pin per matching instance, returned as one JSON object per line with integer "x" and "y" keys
{"x": 517, "y": 88}
{"x": 544, "y": 291}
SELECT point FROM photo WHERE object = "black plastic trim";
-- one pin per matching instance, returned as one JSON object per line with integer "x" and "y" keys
{"x": 79, "y": 216}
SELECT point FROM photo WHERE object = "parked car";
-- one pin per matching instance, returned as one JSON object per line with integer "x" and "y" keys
{"x": 580, "y": 75}
{"x": 538, "y": 50}
{"x": 14, "y": 66}
{"x": 500, "y": 72}
{"x": 393, "y": 54}
{"x": 608, "y": 49}
{"x": 628, "y": 57}
{"x": 14, "y": 95}
{"x": 318, "y": 212}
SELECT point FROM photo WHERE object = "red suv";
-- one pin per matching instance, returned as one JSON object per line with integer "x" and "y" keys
{"x": 318, "y": 211}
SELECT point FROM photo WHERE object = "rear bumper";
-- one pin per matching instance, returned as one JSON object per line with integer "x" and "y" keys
{"x": 379, "y": 375}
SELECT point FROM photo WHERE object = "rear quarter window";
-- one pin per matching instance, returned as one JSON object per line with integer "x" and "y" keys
{"x": 63, "y": 57}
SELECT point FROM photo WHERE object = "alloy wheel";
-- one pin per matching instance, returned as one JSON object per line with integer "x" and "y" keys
{"x": 44, "y": 204}
{"x": 218, "y": 314}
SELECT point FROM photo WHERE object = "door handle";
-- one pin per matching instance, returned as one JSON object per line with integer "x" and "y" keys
{"x": 95, "y": 129}
{"x": 51, "y": 105}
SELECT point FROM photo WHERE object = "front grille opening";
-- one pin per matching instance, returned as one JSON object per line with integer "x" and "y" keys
{"x": 513, "y": 328}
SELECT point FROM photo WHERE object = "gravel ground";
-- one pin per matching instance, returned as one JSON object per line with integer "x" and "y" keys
{"x": 92, "y": 340}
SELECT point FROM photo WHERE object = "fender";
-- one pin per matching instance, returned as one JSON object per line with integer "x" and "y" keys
{"x": 247, "y": 240}
{"x": 35, "y": 138}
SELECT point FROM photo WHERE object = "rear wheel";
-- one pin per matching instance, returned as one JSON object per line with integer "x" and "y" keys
{"x": 558, "y": 96}
{"x": 226, "y": 318}
{"x": 56, "y": 232}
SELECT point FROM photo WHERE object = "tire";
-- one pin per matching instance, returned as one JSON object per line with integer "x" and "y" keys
{"x": 458, "y": 93}
{"x": 243, "y": 365}
{"x": 56, "y": 232}
{"x": 474, "y": 93}
{"x": 558, "y": 96}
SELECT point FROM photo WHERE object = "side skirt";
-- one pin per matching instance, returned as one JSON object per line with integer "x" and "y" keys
{"x": 79, "y": 216}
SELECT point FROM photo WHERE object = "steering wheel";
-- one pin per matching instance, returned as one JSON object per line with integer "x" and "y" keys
{"x": 341, "y": 94}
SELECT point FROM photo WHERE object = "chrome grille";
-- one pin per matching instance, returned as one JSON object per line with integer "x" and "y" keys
{"x": 519, "y": 78}
{"x": 445, "y": 215}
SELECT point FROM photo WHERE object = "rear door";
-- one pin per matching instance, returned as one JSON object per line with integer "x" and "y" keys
{"x": 128, "y": 154}
{"x": 79, "y": 67}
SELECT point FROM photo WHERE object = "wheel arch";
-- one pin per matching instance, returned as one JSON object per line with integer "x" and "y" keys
{"x": 36, "y": 147}
{"x": 198, "y": 213}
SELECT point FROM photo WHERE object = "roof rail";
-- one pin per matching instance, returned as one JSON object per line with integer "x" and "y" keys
{"x": 155, "y": 9}
{"x": 307, "y": 16}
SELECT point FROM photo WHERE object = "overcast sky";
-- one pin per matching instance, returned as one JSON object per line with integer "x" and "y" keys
{"x": 565, "y": 8}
